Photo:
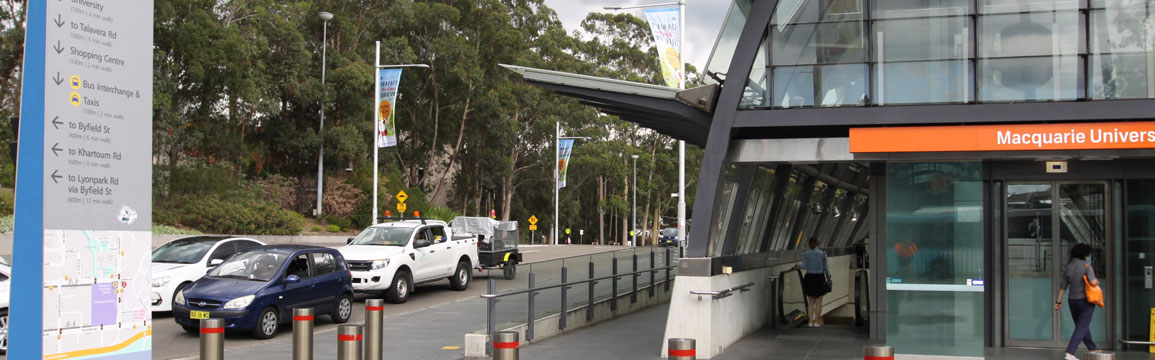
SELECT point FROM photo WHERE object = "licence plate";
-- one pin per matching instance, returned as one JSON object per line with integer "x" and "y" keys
{"x": 197, "y": 315}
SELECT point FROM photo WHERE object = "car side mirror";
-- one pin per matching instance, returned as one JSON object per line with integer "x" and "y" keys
{"x": 215, "y": 262}
{"x": 209, "y": 271}
{"x": 349, "y": 242}
{"x": 292, "y": 279}
{"x": 420, "y": 243}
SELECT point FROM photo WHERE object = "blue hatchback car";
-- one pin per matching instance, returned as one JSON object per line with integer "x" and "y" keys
{"x": 257, "y": 290}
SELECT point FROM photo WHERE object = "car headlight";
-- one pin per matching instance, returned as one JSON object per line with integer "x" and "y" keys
{"x": 160, "y": 281}
{"x": 179, "y": 298}
{"x": 240, "y": 303}
{"x": 380, "y": 264}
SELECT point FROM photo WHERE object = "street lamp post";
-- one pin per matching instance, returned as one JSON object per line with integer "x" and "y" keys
{"x": 681, "y": 85}
{"x": 557, "y": 175}
{"x": 634, "y": 206}
{"x": 376, "y": 134}
{"x": 325, "y": 16}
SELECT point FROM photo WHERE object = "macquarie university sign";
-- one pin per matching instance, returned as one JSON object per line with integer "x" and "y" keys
{"x": 81, "y": 258}
{"x": 1081, "y": 136}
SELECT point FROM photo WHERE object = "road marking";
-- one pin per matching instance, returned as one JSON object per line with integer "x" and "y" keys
{"x": 450, "y": 348}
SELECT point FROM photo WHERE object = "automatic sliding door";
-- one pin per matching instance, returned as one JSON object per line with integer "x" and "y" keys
{"x": 1030, "y": 264}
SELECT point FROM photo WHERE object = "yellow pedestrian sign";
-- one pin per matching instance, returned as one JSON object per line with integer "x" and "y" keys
{"x": 402, "y": 196}
{"x": 401, "y": 207}
{"x": 532, "y": 227}
{"x": 532, "y": 220}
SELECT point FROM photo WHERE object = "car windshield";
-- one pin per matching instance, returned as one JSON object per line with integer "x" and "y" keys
{"x": 252, "y": 265}
{"x": 386, "y": 235}
{"x": 670, "y": 232}
{"x": 183, "y": 251}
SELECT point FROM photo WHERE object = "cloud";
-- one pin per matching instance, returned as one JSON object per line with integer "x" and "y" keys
{"x": 703, "y": 21}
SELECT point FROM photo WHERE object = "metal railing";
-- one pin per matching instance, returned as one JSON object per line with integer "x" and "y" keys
{"x": 724, "y": 293}
{"x": 533, "y": 289}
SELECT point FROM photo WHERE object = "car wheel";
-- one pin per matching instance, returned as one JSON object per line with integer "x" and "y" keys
{"x": 462, "y": 277}
{"x": 399, "y": 290}
{"x": 4, "y": 331}
{"x": 509, "y": 270}
{"x": 267, "y": 324}
{"x": 343, "y": 311}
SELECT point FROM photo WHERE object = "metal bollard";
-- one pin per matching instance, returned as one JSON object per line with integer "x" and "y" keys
{"x": 374, "y": 328}
{"x": 1099, "y": 355}
{"x": 878, "y": 352}
{"x": 303, "y": 334}
{"x": 505, "y": 345}
{"x": 349, "y": 342}
{"x": 212, "y": 339}
{"x": 682, "y": 349}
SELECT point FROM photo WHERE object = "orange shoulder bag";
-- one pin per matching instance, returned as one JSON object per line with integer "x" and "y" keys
{"x": 1094, "y": 293}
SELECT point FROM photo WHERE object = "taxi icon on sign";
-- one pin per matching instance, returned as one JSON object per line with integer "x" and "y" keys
{"x": 74, "y": 98}
{"x": 75, "y": 82}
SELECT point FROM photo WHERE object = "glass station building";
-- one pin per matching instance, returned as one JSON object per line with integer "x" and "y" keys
{"x": 946, "y": 153}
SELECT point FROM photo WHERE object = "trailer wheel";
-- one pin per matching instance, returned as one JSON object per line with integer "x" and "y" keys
{"x": 509, "y": 270}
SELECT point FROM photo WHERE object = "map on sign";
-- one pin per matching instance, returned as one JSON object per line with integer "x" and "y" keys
{"x": 402, "y": 196}
{"x": 96, "y": 293}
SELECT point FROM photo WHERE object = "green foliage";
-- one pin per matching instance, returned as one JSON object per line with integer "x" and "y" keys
{"x": 339, "y": 222}
{"x": 7, "y": 224}
{"x": 333, "y": 228}
{"x": 170, "y": 230}
{"x": 221, "y": 214}
{"x": 317, "y": 228}
{"x": 7, "y": 202}
{"x": 440, "y": 213}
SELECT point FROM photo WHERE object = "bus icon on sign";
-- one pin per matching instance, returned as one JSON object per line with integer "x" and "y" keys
{"x": 74, "y": 98}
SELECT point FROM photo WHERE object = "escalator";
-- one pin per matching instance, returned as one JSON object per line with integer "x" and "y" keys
{"x": 797, "y": 317}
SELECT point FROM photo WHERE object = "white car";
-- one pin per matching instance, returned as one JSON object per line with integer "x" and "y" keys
{"x": 181, "y": 262}
{"x": 394, "y": 256}
{"x": 5, "y": 274}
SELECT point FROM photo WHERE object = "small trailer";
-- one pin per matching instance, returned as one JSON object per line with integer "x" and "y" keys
{"x": 497, "y": 247}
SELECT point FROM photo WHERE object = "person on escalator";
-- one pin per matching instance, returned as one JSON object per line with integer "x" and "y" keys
{"x": 816, "y": 283}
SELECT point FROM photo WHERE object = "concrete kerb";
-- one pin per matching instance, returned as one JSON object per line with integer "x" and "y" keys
{"x": 547, "y": 326}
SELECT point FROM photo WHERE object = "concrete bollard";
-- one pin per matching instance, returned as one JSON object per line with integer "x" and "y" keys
{"x": 303, "y": 334}
{"x": 878, "y": 352}
{"x": 505, "y": 345}
{"x": 349, "y": 339}
{"x": 212, "y": 339}
{"x": 374, "y": 328}
{"x": 682, "y": 349}
{"x": 1099, "y": 355}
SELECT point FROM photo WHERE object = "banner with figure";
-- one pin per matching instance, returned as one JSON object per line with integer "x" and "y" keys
{"x": 564, "y": 148}
{"x": 664, "y": 23}
{"x": 387, "y": 82}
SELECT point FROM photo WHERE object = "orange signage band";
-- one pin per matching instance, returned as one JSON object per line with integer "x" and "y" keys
{"x": 1082, "y": 136}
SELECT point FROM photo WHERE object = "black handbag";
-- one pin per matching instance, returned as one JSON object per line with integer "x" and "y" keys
{"x": 829, "y": 284}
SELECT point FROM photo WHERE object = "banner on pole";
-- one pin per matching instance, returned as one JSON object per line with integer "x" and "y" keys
{"x": 664, "y": 24}
{"x": 387, "y": 82}
{"x": 565, "y": 147}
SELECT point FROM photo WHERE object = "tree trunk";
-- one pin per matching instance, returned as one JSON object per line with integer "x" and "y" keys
{"x": 601, "y": 210}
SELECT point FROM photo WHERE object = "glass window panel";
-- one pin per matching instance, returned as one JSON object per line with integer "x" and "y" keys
{"x": 886, "y": 9}
{"x": 1121, "y": 60}
{"x": 789, "y": 211}
{"x": 791, "y": 12}
{"x": 728, "y": 39}
{"x": 934, "y": 229}
{"x": 1030, "y": 79}
{"x": 1119, "y": 4}
{"x": 923, "y": 82}
{"x": 820, "y": 43}
{"x": 756, "y": 214}
{"x": 813, "y": 213}
{"x": 922, "y": 39}
{"x": 1030, "y": 34}
{"x": 1137, "y": 252}
{"x": 757, "y": 94}
{"x": 835, "y": 219}
{"x": 725, "y": 207}
{"x": 1020, "y": 6}
{"x": 838, "y": 85}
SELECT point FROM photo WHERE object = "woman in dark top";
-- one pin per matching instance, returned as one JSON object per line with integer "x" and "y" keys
{"x": 814, "y": 283}
{"x": 1081, "y": 309}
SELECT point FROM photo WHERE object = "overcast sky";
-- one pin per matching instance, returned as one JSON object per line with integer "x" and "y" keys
{"x": 703, "y": 21}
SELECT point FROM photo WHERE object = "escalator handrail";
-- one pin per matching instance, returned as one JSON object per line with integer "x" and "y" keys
{"x": 861, "y": 284}
{"x": 781, "y": 288}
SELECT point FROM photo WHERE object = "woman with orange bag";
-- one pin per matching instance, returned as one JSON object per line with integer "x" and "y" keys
{"x": 1078, "y": 276}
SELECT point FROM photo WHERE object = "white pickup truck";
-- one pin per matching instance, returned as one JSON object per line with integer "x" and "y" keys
{"x": 394, "y": 256}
